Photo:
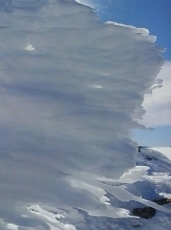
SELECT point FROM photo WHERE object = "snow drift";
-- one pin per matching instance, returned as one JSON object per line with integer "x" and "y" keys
{"x": 70, "y": 86}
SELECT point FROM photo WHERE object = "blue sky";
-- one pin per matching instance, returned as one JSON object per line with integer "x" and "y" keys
{"x": 151, "y": 14}
{"x": 156, "y": 17}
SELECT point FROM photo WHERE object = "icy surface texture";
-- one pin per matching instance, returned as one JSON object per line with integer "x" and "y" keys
{"x": 70, "y": 86}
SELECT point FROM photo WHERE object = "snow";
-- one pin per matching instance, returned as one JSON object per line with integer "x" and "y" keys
{"x": 51, "y": 218}
{"x": 164, "y": 150}
{"x": 70, "y": 86}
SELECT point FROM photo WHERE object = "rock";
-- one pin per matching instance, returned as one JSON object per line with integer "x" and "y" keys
{"x": 162, "y": 201}
{"x": 145, "y": 213}
{"x": 149, "y": 212}
{"x": 136, "y": 226}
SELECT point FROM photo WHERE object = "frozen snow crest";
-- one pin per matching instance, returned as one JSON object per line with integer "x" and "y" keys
{"x": 69, "y": 88}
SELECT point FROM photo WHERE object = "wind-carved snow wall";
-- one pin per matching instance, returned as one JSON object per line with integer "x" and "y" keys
{"x": 70, "y": 86}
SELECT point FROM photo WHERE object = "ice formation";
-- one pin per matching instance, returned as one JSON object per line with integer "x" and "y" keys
{"x": 70, "y": 86}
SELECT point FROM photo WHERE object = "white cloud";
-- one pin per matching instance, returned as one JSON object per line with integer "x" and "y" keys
{"x": 158, "y": 104}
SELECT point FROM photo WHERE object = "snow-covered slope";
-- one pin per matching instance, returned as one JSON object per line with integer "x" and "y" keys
{"x": 164, "y": 150}
{"x": 70, "y": 86}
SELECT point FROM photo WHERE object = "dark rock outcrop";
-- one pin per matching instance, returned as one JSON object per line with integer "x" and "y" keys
{"x": 145, "y": 213}
{"x": 149, "y": 212}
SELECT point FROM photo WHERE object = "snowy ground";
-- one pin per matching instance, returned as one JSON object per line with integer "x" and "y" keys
{"x": 155, "y": 183}
{"x": 164, "y": 150}
{"x": 152, "y": 183}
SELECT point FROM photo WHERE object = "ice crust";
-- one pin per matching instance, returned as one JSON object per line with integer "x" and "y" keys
{"x": 70, "y": 86}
